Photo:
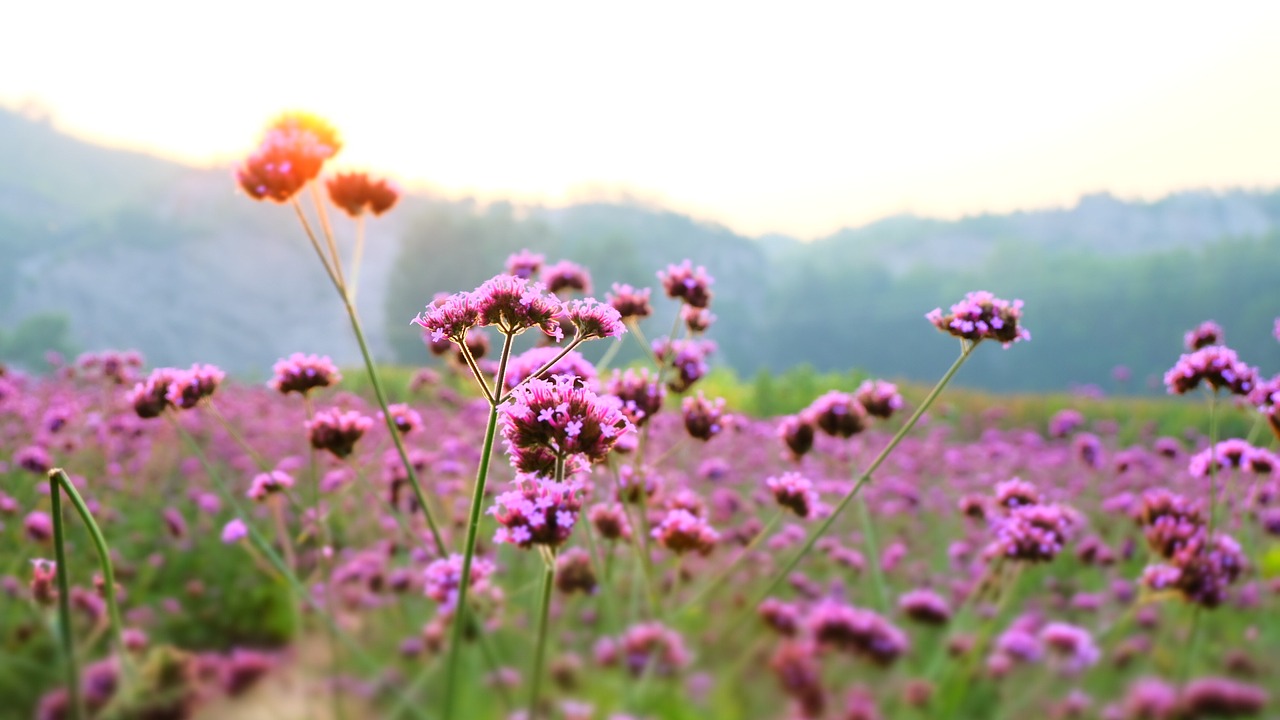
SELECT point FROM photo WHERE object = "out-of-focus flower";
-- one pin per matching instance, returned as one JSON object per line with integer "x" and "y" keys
{"x": 301, "y": 374}
{"x": 1216, "y": 365}
{"x": 684, "y": 282}
{"x": 1203, "y": 335}
{"x": 925, "y": 606}
{"x": 405, "y": 418}
{"x": 355, "y": 192}
{"x": 188, "y": 387}
{"x": 879, "y": 398}
{"x": 630, "y": 302}
{"x": 794, "y": 492}
{"x": 681, "y": 531}
{"x": 566, "y": 276}
{"x": 697, "y": 320}
{"x": 1033, "y": 533}
{"x": 1072, "y": 645}
{"x": 525, "y": 264}
{"x": 266, "y": 484}
{"x": 798, "y": 432}
{"x": 574, "y": 572}
{"x": 839, "y": 414}
{"x": 234, "y": 531}
{"x": 703, "y": 418}
{"x": 857, "y": 631}
{"x": 337, "y": 431}
{"x": 290, "y": 155}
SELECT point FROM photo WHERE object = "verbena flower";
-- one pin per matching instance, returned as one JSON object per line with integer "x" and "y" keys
{"x": 514, "y": 305}
{"x": 1203, "y": 335}
{"x": 337, "y": 431}
{"x": 443, "y": 577}
{"x": 1216, "y": 365}
{"x": 525, "y": 264}
{"x": 795, "y": 492}
{"x": 1065, "y": 422}
{"x": 356, "y": 193}
{"x": 290, "y": 155}
{"x": 266, "y": 484}
{"x": 405, "y": 418}
{"x": 981, "y": 316}
{"x": 1072, "y": 645}
{"x": 879, "y": 398}
{"x": 651, "y": 647}
{"x": 566, "y": 276}
{"x": 783, "y": 617}
{"x": 1151, "y": 698}
{"x": 697, "y": 320}
{"x": 449, "y": 318}
{"x": 684, "y": 282}
{"x": 301, "y": 374}
{"x": 559, "y": 418}
{"x": 703, "y": 418}
{"x": 574, "y": 572}
{"x": 1222, "y": 697}
{"x": 857, "y": 631}
{"x": 925, "y": 606}
{"x": 1033, "y": 533}
{"x": 150, "y": 397}
{"x": 630, "y": 302}
{"x": 1231, "y": 454}
{"x": 687, "y": 357}
{"x": 1200, "y": 570}
{"x": 839, "y": 414}
{"x": 610, "y": 520}
{"x": 796, "y": 666}
{"x": 1015, "y": 493}
{"x": 681, "y": 531}
{"x": 572, "y": 366}
{"x": 537, "y": 512}
{"x": 640, "y": 392}
{"x": 593, "y": 320}
{"x": 798, "y": 433}
{"x": 188, "y": 387}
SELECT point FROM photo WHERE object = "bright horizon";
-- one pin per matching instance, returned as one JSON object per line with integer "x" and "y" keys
{"x": 801, "y": 123}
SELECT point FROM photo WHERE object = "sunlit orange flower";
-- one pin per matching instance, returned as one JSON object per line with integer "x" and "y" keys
{"x": 354, "y": 192}
{"x": 291, "y": 154}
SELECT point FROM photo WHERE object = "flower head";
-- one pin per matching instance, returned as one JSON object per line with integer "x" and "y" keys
{"x": 798, "y": 432}
{"x": 301, "y": 374}
{"x": 1217, "y": 365}
{"x": 981, "y": 316}
{"x": 681, "y": 531}
{"x": 337, "y": 431}
{"x": 1033, "y": 533}
{"x": 879, "y": 398}
{"x": 525, "y": 264}
{"x": 150, "y": 397}
{"x": 593, "y": 320}
{"x": 630, "y": 302}
{"x": 566, "y": 276}
{"x": 857, "y": 631}
{"x": 794, "y": 492}
{"x": 640, "y": 392}
{"x": 559, "y": 418}
{"x": 703, "y": 418}
{"x": 514, "y": 305}
{"x": 537, "y": 512}
{"x": 839, "y": 414}
{"x": 290, "y": 155}
{"x": 449, "y": 318}
{"x": 267, "y": 484}
{"x": 1203, "y": 335}
{"x": 188, "y": 387}
{"x": 355, "y": 193}
{"x": 684, "y": 282}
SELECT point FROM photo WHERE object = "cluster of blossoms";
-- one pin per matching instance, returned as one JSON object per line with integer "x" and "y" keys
{"x": 593, "y": 320}
{"x": 856, "y": 631}
{"x": 1203, "y": 335}
{"x": 684, "y": 282}
{"x": 794, "y": 492}
{"x": 525, "y": 264}
{"x": 537, "y": 512}
{"x": 631, "y": 304}
{"x": 703, "y": 418}
{"x": 981, "y": 316}
{"x": 574, "y": 572}
{"x": 1232, "y": 454}
{"x": 1030, "y": 531}
{"x": 1065, "y": 422}
{"x": 572, "y": 366}
{"x": 839, "y": 414}
{"x": 1154, "y": 698}
{"x": 687, "y": 357}
{"x": 647, "y": 647}
{"x": 1169, "y": 521}
{"x": 610, "y": 520}
{"x": 1216, "y": 365}
{"x": 355, "y": 192}
{"x": 443, "y": 577}
{"x": 554, "y": 419}
{"x": 879, "y": 398}
{"x": 404, "y": 418}
{"x": 697, "y": 320}
{"x": 1071, "y": 645}
{"x": 925, "y": 606}
{"x": 170, "y": 387}
{"x": 640, "y": 391}
{"x": 798, "y": 433}
{"x": 301, "y": 374}
{"x": 795, "y": 663}
{"x": 566, "y": 276}
{"x": 337, "y": 431}
{"x": 291, "y": 154}
{"x": 1200, "y": 570}
{"x": 116, "y": 367}
{"x": 264, "y": 485}
{"x": 681, "y": 531}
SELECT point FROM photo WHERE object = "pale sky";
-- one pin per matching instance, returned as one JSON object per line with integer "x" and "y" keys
{"x": 791, "y": 117}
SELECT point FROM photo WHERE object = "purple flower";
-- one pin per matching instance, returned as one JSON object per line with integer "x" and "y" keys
{"x": 857, "y": 631}
{"x": 1015, "y": 493}
{"x": 652, "y": 647}
{"x": 34, "y": 459}
{"x": 150, "y": 397}
{"x": 525, "y": 264}
{"x": 1231, "y": 454}
{"x": 794, "y": 492}
{"x": 301, "y": 374}
{"x": 1222, "y": 697}
{"x": 839, "y": 414}
{"x": 405, "y": 418}
{"x": 574, "y": 572}
{"x": 566, "y": 275}
{"x": 593, "y": 320}
{"x": 684, "y": 282}
{"x": 1065, "y": 422}
{"x": 879, "y": 398}
{"x": 537, "y": 512}
{"x": 798, "y": 432}
{"x": 558, "y": 418}
{"x": 1203, "y": 335}
{"x": 267, "y": 484}
{"x": 630, "y": 302}
{"x": 703, "y": 418}
{"x": 925, "y": 606}
{"x": 1216, "y": 365}
{"x": 445, "y": 575}
{"x": 980, "y": 316}
{"x": 234, "y": 531}
{"x": 188, "y": 387}
{"x": 337, "y": 431}
{"x": 687, "y": 357}
{"x": 681, "y": 531}
{"x": 449, "y": 318}
{"x": 1071, "y": 644}
{"x": 640, "y": 392}
{"x": 514, "y": 305}
{"x": 1033, "y": 533}
{"x": 697, "y": 320}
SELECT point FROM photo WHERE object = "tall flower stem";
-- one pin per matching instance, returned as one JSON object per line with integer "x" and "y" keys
{"x": 873, "y": 554}
{"x": 966, "y": 349}
{"x": 473, "y": 526}
{"x": 1196, "y": 637}
{"x": 391, "y": 425}
{"x": 357, "y": 257}
{"x": 64, "y": 605}
{"x": 724, "y": 574}
{"x": 540, "y": 651}
{"x": 59, "y": 477}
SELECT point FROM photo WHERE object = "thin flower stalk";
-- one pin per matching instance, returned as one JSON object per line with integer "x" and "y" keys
{"x": 64, "y": 604}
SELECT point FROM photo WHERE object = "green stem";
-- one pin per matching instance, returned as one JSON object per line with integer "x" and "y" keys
{"x": 391, "y": 427}
{"x": 357, "y": 256}
{"x": 821, "y": 530}
{"x": 64, "y": 603}
{"x": 609, "y": 355}
{"x": 535, "y": 680}
{"x": 723, "y": 575}
{"x": 1196, "y": 637}
{"x": 473, "y": 526}
{"x": 873, "y": 556}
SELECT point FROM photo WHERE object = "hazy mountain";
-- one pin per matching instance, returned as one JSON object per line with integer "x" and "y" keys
{"x": 137, "y": 251}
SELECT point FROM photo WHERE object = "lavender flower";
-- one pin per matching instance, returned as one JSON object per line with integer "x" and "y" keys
{"x": 525, "y": 264}
{"x": 557, "y": 418}
{"x": 630, "y": 302}
{"x": 640, "y": 392}
{"x": 566, "y": 276}
{"x": 794, "y": 492}
{"x": 1033, "y": 533}
{"x": 857, "y": 631}
{"x": 681, "y": 531}
{"x": 337, "y": 431}
{"x": 1203, "y": 335}
{"x": 703, "y": 418}
{"x": 593, "y": 320}
{"x": 684, "y": 282}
